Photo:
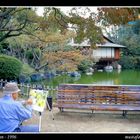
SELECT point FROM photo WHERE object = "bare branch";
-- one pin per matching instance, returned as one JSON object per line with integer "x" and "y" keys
{"x": 62, "y": 19}
{"x": 10, "y": 35}
{"x": 42, "y": 66}
{"x": 5, "y": 36}
{"x": 57, "y": 11}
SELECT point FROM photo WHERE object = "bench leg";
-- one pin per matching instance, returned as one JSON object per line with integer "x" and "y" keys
{"x": 93, "y": 111}
{"x": 124, "y": 113}
{"x": 61, "y": 109}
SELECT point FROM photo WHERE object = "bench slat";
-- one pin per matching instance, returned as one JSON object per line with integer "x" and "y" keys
{"x": 101, "y": 107}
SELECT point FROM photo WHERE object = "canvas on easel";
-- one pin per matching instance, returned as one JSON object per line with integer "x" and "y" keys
{"x": 39, "y": 99}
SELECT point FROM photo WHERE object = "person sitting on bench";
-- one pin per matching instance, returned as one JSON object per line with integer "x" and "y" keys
{"x": 13, "y": 113}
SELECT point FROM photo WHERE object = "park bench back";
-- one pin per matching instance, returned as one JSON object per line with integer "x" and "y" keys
{"x": 99, "y": 97}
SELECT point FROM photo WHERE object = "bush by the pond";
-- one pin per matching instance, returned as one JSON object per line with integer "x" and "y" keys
{"x": 84, "y": 65}
{"x": 36, "y": 77}
{"x": 48, "y": 75}
{"x": 129, "y": 62}
{"x": 24, "y": 79}
{"x": 75, "y": 74}
{"x": 10, "y": 67}
{"x": 28, "y": 80}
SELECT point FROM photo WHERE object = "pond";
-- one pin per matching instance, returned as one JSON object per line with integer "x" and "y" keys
{"x": 124, "y": 77}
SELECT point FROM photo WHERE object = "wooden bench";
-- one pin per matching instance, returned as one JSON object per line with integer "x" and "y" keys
{"x": 99, "y": 97}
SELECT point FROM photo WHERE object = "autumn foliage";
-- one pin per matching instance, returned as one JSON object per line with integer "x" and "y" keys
{"x": 117, "y": 15}
{"x": 64, "y": 60}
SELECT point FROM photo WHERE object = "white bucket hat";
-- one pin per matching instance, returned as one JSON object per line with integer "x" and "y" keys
{"x": 11, "y": 88}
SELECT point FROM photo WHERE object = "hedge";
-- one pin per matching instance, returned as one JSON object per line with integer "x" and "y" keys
{"x": 10, "y": 67}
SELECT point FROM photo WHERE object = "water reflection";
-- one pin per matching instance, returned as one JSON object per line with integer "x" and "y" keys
{"x": 116, "y": 77}
{"x": 119, "y": 70}
{"x": 124, "y": 77}
{"x": 73, "y": 79}
{"x": 108, "y": 70}
{"x": 106, "y": 82}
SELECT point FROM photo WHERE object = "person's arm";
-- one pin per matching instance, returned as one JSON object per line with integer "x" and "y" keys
{"x": 23, "y": 113}
{"x": 28, "y": 104}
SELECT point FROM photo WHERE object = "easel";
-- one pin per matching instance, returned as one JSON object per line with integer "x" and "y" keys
{"x": 40, "y": 115}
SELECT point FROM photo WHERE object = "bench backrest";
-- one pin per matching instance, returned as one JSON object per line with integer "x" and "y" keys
{"x": 98, "y": 94}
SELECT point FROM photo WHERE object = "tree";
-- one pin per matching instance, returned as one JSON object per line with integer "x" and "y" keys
{"x": 84, "y": 27}
{"x": 111, "y": 19}
{"x": 15, "y": 21}
{"x": 123, "y": 24}
{"x": 12, "y": 21}
{"x": 130, "y": 55}
{"x": 117, "y": 16}
{"x": 34, "y": 48}
{"x": 31, "y": 42}
{"x": 64, "y": 60}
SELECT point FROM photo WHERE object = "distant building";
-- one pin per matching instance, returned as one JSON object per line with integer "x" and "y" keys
{"x": 106, "y": 52}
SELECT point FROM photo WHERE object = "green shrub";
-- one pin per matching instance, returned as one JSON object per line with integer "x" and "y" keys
{"x": 128, "y": 62}
{"x": 10, "y": 67}
{"x": 27, "y": 69}
{"x": 84, "y": 65}
{"x": 138, "y": 63}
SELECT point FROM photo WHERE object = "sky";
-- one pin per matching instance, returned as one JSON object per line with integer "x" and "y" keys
{"x": 65, "y": 9}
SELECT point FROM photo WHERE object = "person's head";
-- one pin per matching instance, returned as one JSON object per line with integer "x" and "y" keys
{"x": 12, "y": 89}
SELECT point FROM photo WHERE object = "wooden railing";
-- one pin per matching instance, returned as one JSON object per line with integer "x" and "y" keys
{"x": 25, "y": 88}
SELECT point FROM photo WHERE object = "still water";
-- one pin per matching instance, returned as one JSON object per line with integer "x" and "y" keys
{"x": 124, "y": 77}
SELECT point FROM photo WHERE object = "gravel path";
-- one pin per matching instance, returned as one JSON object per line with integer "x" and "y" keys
{"x": 84, "y": 121}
